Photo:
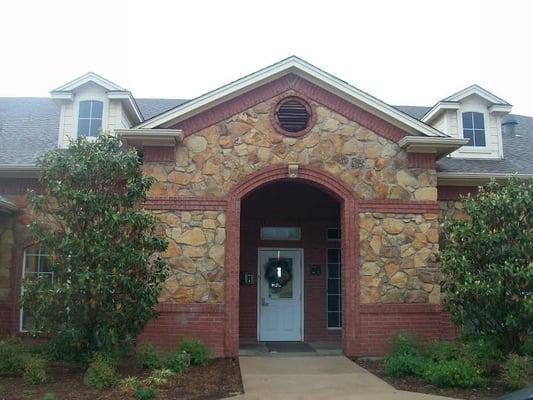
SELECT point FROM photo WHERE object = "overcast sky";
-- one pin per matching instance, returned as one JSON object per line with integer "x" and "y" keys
{"x": 403, "y": 52}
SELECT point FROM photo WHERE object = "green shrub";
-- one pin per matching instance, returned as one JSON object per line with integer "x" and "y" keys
{"x": 178, "y": 362}
{"x": 147, "y": 357}
{"x": 12, "y": 357}
{"x": 453, "y": 373}
{"x": 482, "y": 352}
{"x": 404, "y": 365}
{"x": 159, "y": 377}
{"x": 441, "y": 350}
{"x": 36, "y": 370}
{"x": 101, "y": 373}
{"x": 130, "y": 383}
{"x": 527, "y": 347}
{"x": 49, "y": 396}
{"x": 145, "y": 393}
{"x": 404, "y": 344}
{"x": 196, "y": 349}
{"x": 516, "y": 371}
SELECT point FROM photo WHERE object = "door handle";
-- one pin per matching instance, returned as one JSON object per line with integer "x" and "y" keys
{"x": 264, "y": 303}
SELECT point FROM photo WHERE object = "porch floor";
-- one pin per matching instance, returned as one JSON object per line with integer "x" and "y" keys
{"x": 290, "y": 348}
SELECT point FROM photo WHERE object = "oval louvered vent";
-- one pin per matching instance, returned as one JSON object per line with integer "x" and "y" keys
{"x": 293, "y": 115}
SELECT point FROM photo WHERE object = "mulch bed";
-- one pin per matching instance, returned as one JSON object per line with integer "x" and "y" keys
{"x": 493, "y": 390}
{"x": 218, "y": 379}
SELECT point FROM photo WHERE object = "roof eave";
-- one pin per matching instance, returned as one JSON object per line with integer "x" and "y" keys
{"x": 19, "y": 171}
{"x": 474, "y": 179}
{"x": 307, "y": 71}
{"x": 440, "y": 146}
{"x": 140, "y": 138}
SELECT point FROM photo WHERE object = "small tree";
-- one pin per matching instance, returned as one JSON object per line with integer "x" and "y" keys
{"x": 487, "y": 264}
{"x": 102, "y": 248}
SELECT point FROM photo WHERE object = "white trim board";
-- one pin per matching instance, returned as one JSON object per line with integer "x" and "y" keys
{"x": 297, "y": 66}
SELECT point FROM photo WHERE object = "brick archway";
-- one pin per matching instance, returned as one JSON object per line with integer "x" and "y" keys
{"x": 350, "y": 284}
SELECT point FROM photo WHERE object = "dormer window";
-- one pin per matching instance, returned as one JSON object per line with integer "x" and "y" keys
{"x": 474, "y": 128}
{"x": 90, "y": 118}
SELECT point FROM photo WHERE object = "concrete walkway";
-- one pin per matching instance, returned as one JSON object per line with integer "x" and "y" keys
{"x": 327, "y": 377}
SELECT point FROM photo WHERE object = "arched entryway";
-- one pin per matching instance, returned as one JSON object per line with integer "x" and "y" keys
{"x": 321, "y": 182}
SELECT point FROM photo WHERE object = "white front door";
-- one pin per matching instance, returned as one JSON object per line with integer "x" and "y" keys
{"x": 280, "y": 295}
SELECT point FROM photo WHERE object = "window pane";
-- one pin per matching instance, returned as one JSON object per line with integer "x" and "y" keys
{"x": 85, "y": 109}
{"x": 96, "y": 124}
{"x": 30, "y": 264}
{"x": 479, "y": 137}
{"x": 97, "y": 109}
{"x": 334, "y": 233}
{"x": 333, "y": 319}
{"x": 333, "y": 302}
{"x": 469, "y": 134}
{"x": 467, "y": 120}
{"x": 333, "y": 286}
{"x": 83, "y": 127}
{"x": 333, "y": 255}
{"x": 333, "y": 271}
{"x": 478, "y": 121}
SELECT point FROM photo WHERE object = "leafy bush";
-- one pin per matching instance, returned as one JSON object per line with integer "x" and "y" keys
{"x": 178, "y": 362}
{"x": 159, "y": 377}
{"x": 49, "y": 396}
{"x": 483, "y": 352}
{"x": 404, "y": 365}
{"x": 196, "y": 349}
{"x": 453, "y": 373}
{"x": 148, "y": 357}
{"x": 130, "y": 383}
{"x": 36, "y": 370}
{"x": 404, "y": 344}
{"x": 12, "y": 357}
{"x": 145, "y": 393}
{"x": 486, "y": 262}
{"x": 516, "y": 371}
{"x": 527, "y": 346}
{"x": 442, "y": 350}
{"x": 101, "y": 373}
{"x": 104, "y": 250}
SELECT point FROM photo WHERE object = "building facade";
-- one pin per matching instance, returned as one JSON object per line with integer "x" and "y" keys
{"x": 296, "y": 207}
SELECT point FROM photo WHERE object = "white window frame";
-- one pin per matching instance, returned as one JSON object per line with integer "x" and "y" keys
{"x": 38, "y": 274}
{"x": 474, "y": 146}
{"x": 90, "y": 118}
{"x": 280, "y": 229}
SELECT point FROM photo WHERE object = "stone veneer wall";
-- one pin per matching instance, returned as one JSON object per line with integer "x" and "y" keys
{"x": 398, "y": 258}
{"x": 210, "y": 162}
{"x": 195, "y": 254}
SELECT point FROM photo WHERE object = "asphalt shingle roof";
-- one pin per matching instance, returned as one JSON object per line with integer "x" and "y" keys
{"x": 29, "y": 127}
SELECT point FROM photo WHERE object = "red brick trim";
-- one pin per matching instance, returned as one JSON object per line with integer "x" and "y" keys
{"x": 421, "y": 160}
{"x": 302, "y": 99}
{"x": 159, "y": 154}
{"x": 18, "y": 185}
{"x": 399, "y": 206}
{"x": 454, "y": 192}
{"x": 399, "y": 308}
{"x": 190, "y": 308}
{"x": 185, "y": 203}
{"x": 350, "y": 265}
{"x": 300, "y": 87}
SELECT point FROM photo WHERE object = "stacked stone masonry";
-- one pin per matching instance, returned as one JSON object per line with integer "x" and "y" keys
{"x": 195, "y": 254}
{"x": 398, "y": 258}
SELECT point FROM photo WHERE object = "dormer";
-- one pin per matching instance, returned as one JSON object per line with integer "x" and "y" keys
{"x": 91, "y": 104}
{"x": 475, "y": 114}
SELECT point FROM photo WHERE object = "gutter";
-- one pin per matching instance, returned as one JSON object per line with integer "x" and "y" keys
{"x": 18, "y": 171}
{"x": 139, "y": 137}
{"x": 440, "y": 146}
{"x": 474, "y": 179}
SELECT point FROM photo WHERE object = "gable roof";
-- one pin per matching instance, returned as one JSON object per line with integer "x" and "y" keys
{"x": 297, "y": 66}
{"x": 453, "y": 102}
{"x": 89, "y": 77}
